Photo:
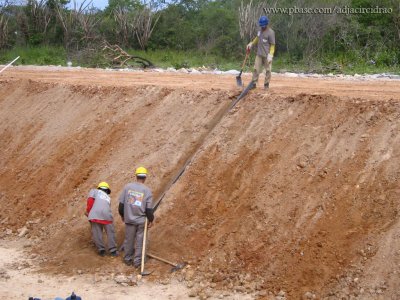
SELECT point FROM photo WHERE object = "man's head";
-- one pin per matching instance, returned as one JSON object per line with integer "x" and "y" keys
{"x": 104, "y": 187}
{"x": 263, "y": 22}
{"x": 141, "y": 174}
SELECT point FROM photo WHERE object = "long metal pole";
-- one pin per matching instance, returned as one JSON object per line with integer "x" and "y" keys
{"x": 211, "y": 127}
{"x": 9, "y": 64}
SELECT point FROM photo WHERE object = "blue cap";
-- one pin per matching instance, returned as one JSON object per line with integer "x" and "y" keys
{"x": 263, "y": 21}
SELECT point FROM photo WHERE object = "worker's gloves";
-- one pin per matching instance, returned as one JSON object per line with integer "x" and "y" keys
{"x": 248, "y": 48}
{"x": 269, "y": 58}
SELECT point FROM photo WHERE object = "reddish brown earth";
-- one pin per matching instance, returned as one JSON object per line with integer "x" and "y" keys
{"x": 295, "y": 189}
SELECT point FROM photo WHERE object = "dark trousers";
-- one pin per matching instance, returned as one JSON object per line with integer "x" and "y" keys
{"x": 97, "y": 235}
{"x": 133, "y": 243}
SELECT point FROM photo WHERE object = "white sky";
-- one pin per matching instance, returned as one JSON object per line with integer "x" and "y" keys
{"x": 96, "y": 3}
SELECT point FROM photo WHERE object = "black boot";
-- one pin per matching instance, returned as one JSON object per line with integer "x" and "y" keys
{"x": 266, "y": 86}
{"x": 128, "y": 262}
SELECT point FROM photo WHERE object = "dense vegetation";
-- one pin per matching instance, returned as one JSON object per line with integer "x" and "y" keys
{"x": 189, "y": 33}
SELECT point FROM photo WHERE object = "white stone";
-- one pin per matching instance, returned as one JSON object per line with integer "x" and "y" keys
{"x": 232, "y": 72}
{"x": 22, "y": 231}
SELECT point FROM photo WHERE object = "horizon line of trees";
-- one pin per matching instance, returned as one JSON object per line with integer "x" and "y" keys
{"x": 221, "y": 27}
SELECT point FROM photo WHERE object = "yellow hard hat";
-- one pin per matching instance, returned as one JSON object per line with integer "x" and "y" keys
{"x": 141, "y": 172}
{"x": 103, "y": 185}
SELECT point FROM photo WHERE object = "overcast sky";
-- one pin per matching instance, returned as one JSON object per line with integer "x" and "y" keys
{"x": 96, "y": 3}
{"x": 100, "y": 3}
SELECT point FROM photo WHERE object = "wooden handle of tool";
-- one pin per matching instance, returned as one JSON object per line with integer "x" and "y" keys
{"x": 245, "y": 59}
{"x": 161, "y": 259}
{"x": 144, "y": 247}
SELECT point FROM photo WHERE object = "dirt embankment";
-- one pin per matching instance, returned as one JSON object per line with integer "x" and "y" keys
{"x": 59, "y": 141}
{"x": 296, "y": 193}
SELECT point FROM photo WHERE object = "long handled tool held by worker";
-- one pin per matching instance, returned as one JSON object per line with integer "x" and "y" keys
{"x": 142, "y": 271}
{"x": 176, "y": 267}
{"x": 239, "y": 77}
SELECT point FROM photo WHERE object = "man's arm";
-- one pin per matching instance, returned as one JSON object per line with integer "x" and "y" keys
{"x": 272, "y": 49}
{"x": 149, "y": 208}
{"x": 250, "y": 45}
{"x": 121, "y": 208}
{"x": 89, "y": 205}
{"x": 255, "y": 41}
{"x": 150, "y": 214}
{"x": 271, "y": 40}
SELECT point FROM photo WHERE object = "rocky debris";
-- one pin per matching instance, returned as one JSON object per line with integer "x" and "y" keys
{"x": 193, "y": 293}
{"x": 4, "y": 275}
{"x": 208, "y": 70}
{"x": 31, "y": 222}
{"x": 309, "y": 295}
{"x": 281, "y": 296}
{"x": 262, "y": 293}
{"x": 188, "y": 274}
{"x": 125, "y": 280}
{"x": 9, "y": 231}
{"x": 302, "y": 162}
{"x": 165, "y": 281}
{"x": 28, "y": 245}
{"x": 22, "y": 231}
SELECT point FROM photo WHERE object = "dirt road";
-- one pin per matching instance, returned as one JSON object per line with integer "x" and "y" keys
{"x": 293, "y": 194}
{"x": 281, "y": 85}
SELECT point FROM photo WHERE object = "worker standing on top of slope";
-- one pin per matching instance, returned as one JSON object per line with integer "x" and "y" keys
{"x": 265, "y": 41}
{"x": 135, "y": 205}
{"x": 99, "y": 213}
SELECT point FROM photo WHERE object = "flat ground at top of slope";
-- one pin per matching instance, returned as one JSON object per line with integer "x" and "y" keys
{"x": 280, "y": 85}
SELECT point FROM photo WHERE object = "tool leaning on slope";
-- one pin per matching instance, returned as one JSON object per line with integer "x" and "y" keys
{"x": 99, "y": 213}
{"x": 135, "y": 205}
{"x": 265, "y": 41}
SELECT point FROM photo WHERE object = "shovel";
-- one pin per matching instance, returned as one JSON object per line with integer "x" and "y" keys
{"x": 142, "y": 271}
{"x": 239, "y": 77}
{"x": 176, "y": 267}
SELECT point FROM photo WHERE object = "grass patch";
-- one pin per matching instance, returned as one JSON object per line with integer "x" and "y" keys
{"x": 350, "y": 63}
{"x": 43, "y": 55}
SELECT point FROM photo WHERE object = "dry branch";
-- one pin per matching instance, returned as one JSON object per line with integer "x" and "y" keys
{"x": 146, "y": 20}
{"x": 123, "y": 28}
{"x": 248, "y": 19}
{"x": 118, "y": 57}
{"x": 3, "y": 31}
{"x": 77, "y": 23}
{"x": 41, "y": 15}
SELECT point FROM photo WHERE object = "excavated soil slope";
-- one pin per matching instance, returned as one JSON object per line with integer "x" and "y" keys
{"x": 296, "y": 193}
{"x": 293, "y": 192}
